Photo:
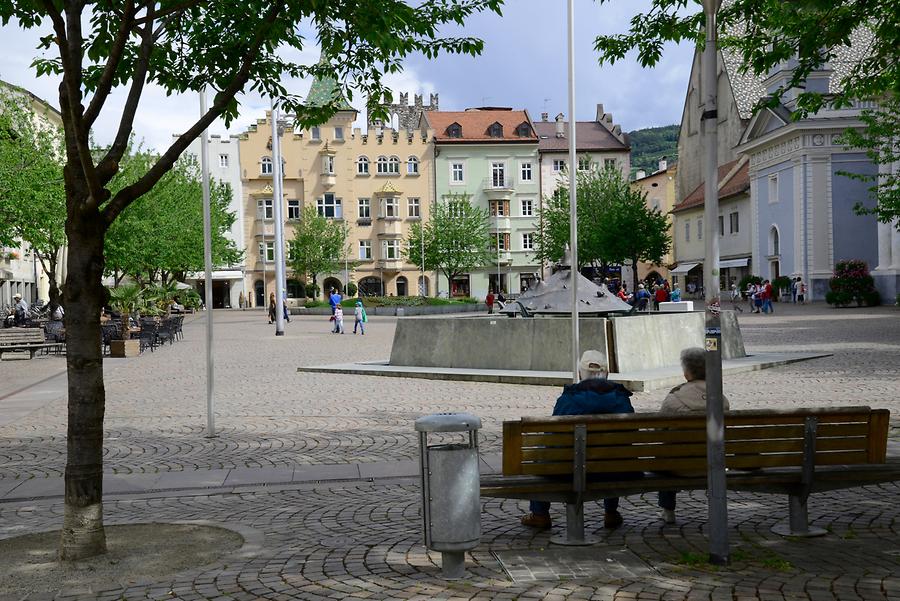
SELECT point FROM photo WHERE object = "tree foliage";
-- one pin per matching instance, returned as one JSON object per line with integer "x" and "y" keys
{"x": 457, "y": 238}
{"x": 651, "y": 144}
{"x": 319, "y": 245}
{"x": 807, "y": 34}
{"x": 161, "y": 234}
{"x": 32, "y": 195}
{"x": 186, "y": 46}
{"x": 615, "y": 225}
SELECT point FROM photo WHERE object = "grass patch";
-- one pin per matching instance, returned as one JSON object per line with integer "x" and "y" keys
{"x": 775, "y": 562}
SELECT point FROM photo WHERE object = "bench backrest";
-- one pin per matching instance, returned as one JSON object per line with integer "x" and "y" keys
{"x": 666, "y": 442}
{"x": 12, "y": 336}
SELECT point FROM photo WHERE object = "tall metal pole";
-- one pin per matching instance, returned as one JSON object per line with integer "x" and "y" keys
{"x": 207, "y": 259}
{"x": 715, "y": 421}
{"x": 573, "y": 193}
{"x": 422, "y": 289}
{"x": 277, "y": 202}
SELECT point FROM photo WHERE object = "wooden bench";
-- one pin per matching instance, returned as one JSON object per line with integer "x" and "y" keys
{"x": 24, "y": 339}
{"x": 795, "y": 452}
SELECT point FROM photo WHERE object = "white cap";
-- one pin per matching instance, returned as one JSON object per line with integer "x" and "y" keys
{"x": 593, "y": 364}
{"x": 17, "y": 295}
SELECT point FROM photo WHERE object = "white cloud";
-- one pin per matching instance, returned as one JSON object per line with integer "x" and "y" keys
{"x": 523, "y": 65}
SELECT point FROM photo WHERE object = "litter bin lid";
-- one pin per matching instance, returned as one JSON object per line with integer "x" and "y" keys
{"x": 448, "y": 422}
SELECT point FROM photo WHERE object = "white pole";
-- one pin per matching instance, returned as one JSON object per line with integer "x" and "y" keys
{"x": 277, "y": 202}
{"x": 715, "y": 420}
{"x": 573, "y": 194}
{"x": 422, "y": 289}
{"x": 207, "y": 258}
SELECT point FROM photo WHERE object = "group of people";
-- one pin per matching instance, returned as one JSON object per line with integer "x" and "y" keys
{"x": 18, "y": 313}
{"x": 595, "y": 394}
{"x": 337, "y": 314}
{"x": 658, "y": 292}
{"x": 760, "y": 296}
{"x": 494, "y": 299}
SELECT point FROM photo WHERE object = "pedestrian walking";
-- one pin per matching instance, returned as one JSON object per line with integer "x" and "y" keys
{"x": 489, "y": 301}
{"x": 272, "y": 307}
{"x": 338, "y": 320}
{"x": 736, "y": 299}
{"x": 795, "y": 289}
{"x": 767, "y": 297}
{"x": 284, "y": 306}
{"x": 359, "y": 318}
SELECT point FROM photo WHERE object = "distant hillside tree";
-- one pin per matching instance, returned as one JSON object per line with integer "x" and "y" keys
{"x": 650, "y": 145}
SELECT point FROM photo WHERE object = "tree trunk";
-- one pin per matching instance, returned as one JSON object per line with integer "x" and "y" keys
{"x": 82, "y": 534}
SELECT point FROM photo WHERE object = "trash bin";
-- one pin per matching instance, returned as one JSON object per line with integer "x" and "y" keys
{"x": 451, "y": 504}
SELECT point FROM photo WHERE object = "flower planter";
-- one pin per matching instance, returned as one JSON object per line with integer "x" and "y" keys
{"x": 124, "y": 348}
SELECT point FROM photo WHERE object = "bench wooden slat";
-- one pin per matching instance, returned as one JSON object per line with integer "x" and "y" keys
{"x": 756, "y": 447}
{"x": 693, "y": 464}
{"x": 694, "y": 436}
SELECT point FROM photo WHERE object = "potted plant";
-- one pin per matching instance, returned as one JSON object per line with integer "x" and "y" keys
{"x": 127, "y": 300}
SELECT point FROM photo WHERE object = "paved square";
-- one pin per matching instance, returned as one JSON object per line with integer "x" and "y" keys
{"x": 316, "y": 463}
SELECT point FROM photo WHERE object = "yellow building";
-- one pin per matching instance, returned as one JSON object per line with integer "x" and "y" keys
{"x": 377, "y": 182}
{"x": 660, "y": 189}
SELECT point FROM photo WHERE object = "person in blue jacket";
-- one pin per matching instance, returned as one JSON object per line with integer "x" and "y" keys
{"x": 594, "y": 394}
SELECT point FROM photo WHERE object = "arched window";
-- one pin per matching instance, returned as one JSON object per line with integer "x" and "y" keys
{"x": 495, "y": 130}
{"x": 265, "y": 166}
{"x": 382, "y": 165}
{"x": 412, "y": 166}
{"x": 362, "y": 165}
{"x": 774, "y": 241}
{"x": 394, "y": 165}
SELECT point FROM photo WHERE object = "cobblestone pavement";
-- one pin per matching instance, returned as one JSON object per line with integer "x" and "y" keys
{"x": 363, "y": 541}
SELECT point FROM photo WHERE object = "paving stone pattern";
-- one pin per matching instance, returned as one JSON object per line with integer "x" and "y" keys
{"x": 358, "y": 540}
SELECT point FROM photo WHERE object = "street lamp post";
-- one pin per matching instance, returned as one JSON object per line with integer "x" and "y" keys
{"x": 715, "y": 419}
{"x": 277, "y": 202}
{"x": 207, "y": 259}
{"x": 573, "y": 193}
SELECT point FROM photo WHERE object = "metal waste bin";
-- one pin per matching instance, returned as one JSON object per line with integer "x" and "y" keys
{"x": 451, "y": 504}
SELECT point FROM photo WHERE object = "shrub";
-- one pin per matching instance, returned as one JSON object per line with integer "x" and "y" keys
{"x": 782, "y": 283}
{"x": 351, "y": 289}
{"x": 851, "y": 283}
{"x": 747, "y": 280}
{"x": 311, "y": 290}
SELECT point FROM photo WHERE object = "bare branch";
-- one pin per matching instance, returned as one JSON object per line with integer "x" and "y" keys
{"x": 69, "y": 41}
{"x": 127, "y": 195}
{"x": 108, "y": 166}
{"x": 112, "y": 64}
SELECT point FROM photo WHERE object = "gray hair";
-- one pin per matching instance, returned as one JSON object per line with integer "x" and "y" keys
{"x": 693, "y": 362}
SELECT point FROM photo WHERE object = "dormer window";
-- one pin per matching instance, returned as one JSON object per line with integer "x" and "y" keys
{"x": 454, "y": 130}
{"x": 523, "y": 130}
{"x": 495, "y": 130}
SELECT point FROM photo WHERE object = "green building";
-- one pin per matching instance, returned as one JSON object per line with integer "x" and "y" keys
{"x": 491, "y": 156}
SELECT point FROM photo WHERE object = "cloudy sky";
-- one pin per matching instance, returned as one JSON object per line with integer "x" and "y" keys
{"x": 523, "y": 66}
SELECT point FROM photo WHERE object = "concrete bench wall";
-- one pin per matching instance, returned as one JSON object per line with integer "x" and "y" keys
{"x": 632, "y": 343}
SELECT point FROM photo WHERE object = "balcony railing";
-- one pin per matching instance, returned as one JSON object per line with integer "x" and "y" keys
{"x": 495, "y": 182}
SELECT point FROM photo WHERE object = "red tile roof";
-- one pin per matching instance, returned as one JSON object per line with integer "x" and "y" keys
{"x": 734, "y": 179}
{"x": 475, "y": 123}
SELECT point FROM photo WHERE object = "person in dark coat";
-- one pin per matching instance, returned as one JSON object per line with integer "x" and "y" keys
{"x": 594, "y": 394}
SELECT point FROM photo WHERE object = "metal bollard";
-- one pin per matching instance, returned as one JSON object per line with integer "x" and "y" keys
{"x": 451, "y": 503}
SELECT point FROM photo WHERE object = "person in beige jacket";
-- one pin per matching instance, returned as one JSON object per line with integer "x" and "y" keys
{"x": 687, "y": 397}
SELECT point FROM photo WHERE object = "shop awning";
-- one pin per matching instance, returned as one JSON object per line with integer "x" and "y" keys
{"x": 734, "y": 263}
{"x": 684, "y": 268}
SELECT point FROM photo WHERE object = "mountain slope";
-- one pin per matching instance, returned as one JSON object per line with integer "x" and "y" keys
{"x": 649, "y": 145}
